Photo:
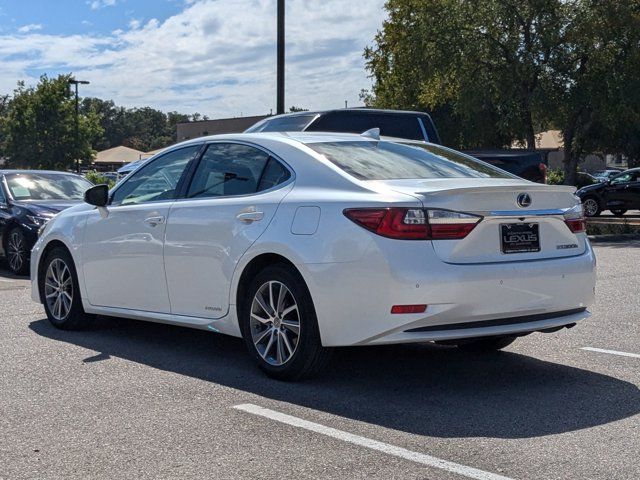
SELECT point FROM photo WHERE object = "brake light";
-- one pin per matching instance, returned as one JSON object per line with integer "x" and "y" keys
{"x": 543, "y": 170}
{"x": 575, "y": 219}
{"x": 414, "y": 223}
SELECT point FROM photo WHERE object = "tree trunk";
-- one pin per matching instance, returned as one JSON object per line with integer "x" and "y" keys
{"x": 570, "y": 157}
{"x": 531, "y": 136}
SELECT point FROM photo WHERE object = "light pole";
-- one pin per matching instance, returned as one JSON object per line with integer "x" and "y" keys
{"x": 280, "y": 75}
{"x": 73, "y": 81}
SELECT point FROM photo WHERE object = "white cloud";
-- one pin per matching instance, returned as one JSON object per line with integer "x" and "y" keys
{"x": 214, "y": 57}
{"x": 97, "y": 4}
{"x": 32, "y": 27}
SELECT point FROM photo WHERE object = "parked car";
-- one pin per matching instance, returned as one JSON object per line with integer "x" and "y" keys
{"x": 300, "y": 242}
{"x": 603, "y": 175}
{"x": 583, "y": 179}
{"x": 392, "y": 123}
{"x": 528, "y": 164}
{"x": 397, "y": 124}
{"x": 28, "y": 200}
{"x": 618, "y": 194}
{"x": 112, "y": 176}
{"x": 129, "y": 167}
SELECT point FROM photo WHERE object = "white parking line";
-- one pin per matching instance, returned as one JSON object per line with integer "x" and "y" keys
{"x": 611, "y": 352}
{"x": 422, "y": 458}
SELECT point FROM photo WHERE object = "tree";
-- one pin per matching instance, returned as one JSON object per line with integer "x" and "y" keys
{"x": 480, "y": 63}
{"x": 495, "y": 71}
{"x": 39, "y": 127}
{"x": 597, "y": 81}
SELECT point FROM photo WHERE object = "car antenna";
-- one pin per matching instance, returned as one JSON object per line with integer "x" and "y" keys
{"x": 373, "y": 133}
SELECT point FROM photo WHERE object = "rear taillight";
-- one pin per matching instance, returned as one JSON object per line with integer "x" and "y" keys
{"x": 414, "y": 223}
{"x": 543, "y": 171}
{"x": 575, "y": 219}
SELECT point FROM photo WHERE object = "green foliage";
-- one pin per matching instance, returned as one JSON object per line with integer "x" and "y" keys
{"x": 298, "y": 109}
{"x": 38, "y": 127}
{"x": 98, "y": 179}
{"x": 496, "y": 71}
{"x": 140, "y": 128}
{"x": 555, "y": 177}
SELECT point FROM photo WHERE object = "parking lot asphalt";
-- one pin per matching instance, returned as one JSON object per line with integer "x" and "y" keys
{"x": 127, "y": 399}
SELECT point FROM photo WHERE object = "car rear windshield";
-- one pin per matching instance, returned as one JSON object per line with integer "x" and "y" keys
{"x": 42, "y": 186}
{"x": 368, "y": 160}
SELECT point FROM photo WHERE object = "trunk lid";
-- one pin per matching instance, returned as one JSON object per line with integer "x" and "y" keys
{"x": 496, "y": 200}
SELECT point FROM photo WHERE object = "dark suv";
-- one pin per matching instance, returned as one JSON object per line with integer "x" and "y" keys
{"x": 392, "y": 123}
{"x": 399, "y": 124}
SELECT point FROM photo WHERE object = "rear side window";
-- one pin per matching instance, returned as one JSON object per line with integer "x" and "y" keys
{"x": 228, "y": 169}
{"x": 367, "y": 160}
{"x": 274, "y": 174}
{"x": 390, "y": 125}
{"x": 294, "y": 123}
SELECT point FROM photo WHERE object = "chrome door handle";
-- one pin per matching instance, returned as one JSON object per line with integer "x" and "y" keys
{"x": 153, "y": 221}
{"x": 250, "y": 217}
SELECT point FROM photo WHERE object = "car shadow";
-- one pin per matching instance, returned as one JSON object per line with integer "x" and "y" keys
{"x": 422, "y": 389}
{"x": 6, "y": 273}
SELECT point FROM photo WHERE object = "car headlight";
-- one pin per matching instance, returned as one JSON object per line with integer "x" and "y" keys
{"x": 38, "y": 221}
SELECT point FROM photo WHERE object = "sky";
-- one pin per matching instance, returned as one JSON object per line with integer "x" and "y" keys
{"x": 215, "y": 57}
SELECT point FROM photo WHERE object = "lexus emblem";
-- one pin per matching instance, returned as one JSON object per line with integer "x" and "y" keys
{"x": 524, "y": 200}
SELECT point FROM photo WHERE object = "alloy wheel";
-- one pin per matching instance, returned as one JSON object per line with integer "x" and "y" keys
{"x": 590, "y": 207}
{"x": 275, "y": 323}
{"x": 16, "y": 252}
{"x": 58, "y": 289}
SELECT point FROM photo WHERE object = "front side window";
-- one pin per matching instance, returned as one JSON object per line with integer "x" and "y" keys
{"x": 228, "y": 169}
{"x": 367, "y": 160}
{"x": 46, "y": 186}
{"x": 625, "y": 177}
{"x": 156, "y": 181}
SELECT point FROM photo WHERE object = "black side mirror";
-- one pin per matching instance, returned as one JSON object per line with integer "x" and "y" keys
{"x": 98, "y": 196}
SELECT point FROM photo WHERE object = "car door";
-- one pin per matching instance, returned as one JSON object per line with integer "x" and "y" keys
{"x": 232, "y": 197}
{"x": 123, "y": 261}
{"x": 622, "y": 191}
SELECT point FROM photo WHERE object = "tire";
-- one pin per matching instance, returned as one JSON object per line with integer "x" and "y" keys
{"x": 17, "y": 251}
{"x": 619, "y": 212}
{"x": 486, "y": 344}
{"x": 58, "y": 281}
{"x": 279, "y": 325}
{"x": 591, "y": 207}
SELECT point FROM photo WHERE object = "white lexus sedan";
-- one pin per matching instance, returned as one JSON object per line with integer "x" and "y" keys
{"x": 299, "y": 242}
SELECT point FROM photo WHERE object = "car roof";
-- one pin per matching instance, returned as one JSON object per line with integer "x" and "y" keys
{"x": 292, "y": 137}
{"x": 365, "y": 110}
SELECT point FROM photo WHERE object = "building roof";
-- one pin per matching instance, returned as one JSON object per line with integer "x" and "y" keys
{"x": 119, "y": 154}
{"x": 188, "y": 130}
{"x": 551, "y": 139}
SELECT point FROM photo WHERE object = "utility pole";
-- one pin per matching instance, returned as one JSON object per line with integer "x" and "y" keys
{"x": 73, "y": 81}
{"x": 280, "y": 75}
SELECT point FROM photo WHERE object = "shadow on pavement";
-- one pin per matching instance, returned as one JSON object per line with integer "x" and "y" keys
{"x": 6, "y": 274}
{"x": 422, "y": 389}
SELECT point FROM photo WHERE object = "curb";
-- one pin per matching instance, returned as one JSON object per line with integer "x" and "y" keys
{"x": 620, "y": 237}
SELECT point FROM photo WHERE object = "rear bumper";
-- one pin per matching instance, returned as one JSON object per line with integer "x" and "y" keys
{"x": 353, "y": 300}
{"x": 516, "y": 326}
